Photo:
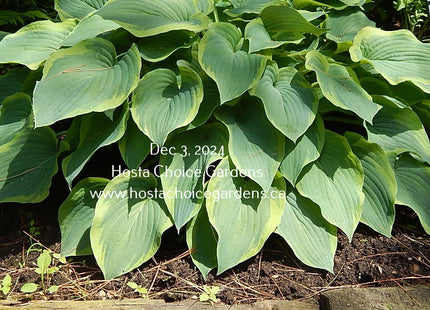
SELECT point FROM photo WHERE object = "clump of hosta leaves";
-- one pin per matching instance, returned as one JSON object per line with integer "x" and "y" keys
{"x": 261, "y": 116}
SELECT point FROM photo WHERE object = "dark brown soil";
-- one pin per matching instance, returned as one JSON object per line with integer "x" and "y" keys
{"x": 370, "y": 260}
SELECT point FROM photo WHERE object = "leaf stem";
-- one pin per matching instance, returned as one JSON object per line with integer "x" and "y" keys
{"x": 216, "y": 14}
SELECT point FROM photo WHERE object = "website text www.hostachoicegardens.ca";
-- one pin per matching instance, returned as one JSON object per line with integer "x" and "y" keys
{"x": 197, "y": 194}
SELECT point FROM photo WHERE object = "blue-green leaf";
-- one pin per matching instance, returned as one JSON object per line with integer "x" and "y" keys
{"x": 334, "y": 182}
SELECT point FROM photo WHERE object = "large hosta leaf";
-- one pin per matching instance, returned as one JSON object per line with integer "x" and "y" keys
{"x": 75, "y": 217}
{"x": 338, "y": 86}
{"x": 309, "y": 235}
{"x": 399, "y": 130}
{"x": 310, "y": 16}
{"x": 12, "y": 81}
{"x": 209, "y": 103}
{"x": 409, "y": 92}
{"x": 306, "y": 150}
{"x": 413, "y": 183}
{"x": 77, "y": 8}
{"x": 284, "y": 23}
{"x": 398, "y": 55}
{"x": 72, "y": 135}
{"x": 29, "y": 157}
{"x": 96, "y": 130}
{"x": 249, "y": 6}
{"x": 335, "y": 4}
{"x": 32, "y": 44}
{"x": 211, "y": 98}
{"x": 258, "y": 36}
{"x": 164, "y": 101}
{"x": 379, "y": 184}
{"x": 334, "y": 182}
{"x": 391, "y": 102}
{"x": 243, "y": 221}
{"x": 147, "y": 18}
{"x": 254, "y": 145}
{"x": 88, "y": 28}
{"x": 344, "y": 25}
{"x": 125, "y": 223}
{"x": 28, "y": 164}
{"x": 289, "y": 101}
{"x": 285, "y": 32}
{"x": 15, "y": 112}
{"x": 222, "y": 58}
{"x": 193, "y": 152}
{"x": 159, "y": 47}
{"x": 406, "y": 92}
{"x": 423, "y": 111}
{"x": 206, "y": 6}
{"x": 134, "y": 145}
{"x": 85, "y": 78}
{"x": 202, "y": 242}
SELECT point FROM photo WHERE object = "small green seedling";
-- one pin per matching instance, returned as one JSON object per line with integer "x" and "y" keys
{"x": 43, "y": 266}
{"x": 6, "y": 284}
{"x": 44, "y": 269}
{"x": 32, "y": 287}
{"x": 209, "y": 294}
{"x": 29, "y": 288}
{"x": 43, "y": 262}
{"x": 138, "y": 289}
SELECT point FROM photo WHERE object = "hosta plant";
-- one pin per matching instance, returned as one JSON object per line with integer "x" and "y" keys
{"x": 235, "y": 120}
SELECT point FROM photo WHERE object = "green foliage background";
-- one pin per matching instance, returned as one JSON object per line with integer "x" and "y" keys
{"x": 14, "y": 14}
{"x": 324, "y": 115}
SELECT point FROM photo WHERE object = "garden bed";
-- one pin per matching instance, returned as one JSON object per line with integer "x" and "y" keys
{"x": 370, "y": 260}
{"x": 358, "y": 136}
